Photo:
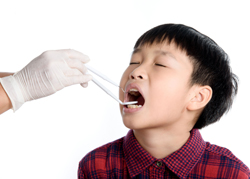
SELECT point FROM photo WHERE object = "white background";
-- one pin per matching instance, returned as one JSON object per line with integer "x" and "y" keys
{"x": 47, "y": 138}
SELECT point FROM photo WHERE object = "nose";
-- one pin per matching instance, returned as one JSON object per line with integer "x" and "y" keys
{"x": 138, "y": 74}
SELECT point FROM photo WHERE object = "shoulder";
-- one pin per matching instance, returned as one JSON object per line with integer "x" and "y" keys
{"x": 225, "y": 161}
{"x": 102, "y": 158}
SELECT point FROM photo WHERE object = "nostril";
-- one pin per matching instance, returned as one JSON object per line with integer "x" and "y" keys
{"x": 137, "y": 77}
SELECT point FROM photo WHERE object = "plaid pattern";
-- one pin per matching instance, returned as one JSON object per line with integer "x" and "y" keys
{"x": 125, "y": 158}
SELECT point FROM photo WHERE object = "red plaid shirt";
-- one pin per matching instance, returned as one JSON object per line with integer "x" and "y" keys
{"x": 125, "y": 158}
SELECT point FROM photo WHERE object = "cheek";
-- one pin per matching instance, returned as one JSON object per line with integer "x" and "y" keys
{"x": 123, "y": 81}
{"x": 168, "y": 93}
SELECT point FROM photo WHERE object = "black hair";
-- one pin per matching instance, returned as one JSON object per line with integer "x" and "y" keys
{"x": 210, "y": 66}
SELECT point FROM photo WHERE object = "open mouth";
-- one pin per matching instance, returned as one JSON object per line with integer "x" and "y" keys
{"x": 135, "y": 95}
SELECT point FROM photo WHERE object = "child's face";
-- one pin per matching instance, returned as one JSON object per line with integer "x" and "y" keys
{"x": 161, "y": 72}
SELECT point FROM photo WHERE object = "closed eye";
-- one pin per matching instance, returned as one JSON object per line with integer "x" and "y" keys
{"x": 133, "y": 63}
{"x": 160, "y": 65}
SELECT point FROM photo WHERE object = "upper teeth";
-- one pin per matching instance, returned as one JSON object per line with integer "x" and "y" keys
{"x": 134, "y": 92}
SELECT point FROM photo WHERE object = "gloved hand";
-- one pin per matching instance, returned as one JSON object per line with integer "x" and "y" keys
{"x": 45, "y": 75}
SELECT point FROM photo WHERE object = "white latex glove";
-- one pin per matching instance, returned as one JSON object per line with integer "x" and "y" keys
{"x": 45, "y": 75}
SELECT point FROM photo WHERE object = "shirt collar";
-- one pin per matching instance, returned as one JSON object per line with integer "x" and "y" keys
{"x": 180, "y": 162}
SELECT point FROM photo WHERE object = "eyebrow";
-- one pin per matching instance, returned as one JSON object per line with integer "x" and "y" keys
{"x": 136, "y": 51}
{"x": 161, "y": 52}
{"x": 165, "y": 53}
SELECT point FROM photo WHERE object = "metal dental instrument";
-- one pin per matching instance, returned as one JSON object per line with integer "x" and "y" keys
{"x": 104, "y": 88}
{"x": 102, "y": 76}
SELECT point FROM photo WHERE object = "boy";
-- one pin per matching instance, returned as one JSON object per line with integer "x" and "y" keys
{"x": 182, "y": 82}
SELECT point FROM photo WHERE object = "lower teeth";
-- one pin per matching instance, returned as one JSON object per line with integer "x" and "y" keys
{"x": 134, "y": 106}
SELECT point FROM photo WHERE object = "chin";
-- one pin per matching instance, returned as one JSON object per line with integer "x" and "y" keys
{"x": 132, "y": 123}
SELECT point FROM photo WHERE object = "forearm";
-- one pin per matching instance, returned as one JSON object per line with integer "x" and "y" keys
{"x": 5, "y": 103}
{"x": 3, "y": 74}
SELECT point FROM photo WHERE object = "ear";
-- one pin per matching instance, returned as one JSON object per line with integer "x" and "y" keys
{"x": 201, "y": 96}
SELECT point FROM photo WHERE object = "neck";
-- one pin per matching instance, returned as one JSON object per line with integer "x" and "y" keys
{"x": 161, "y": 142}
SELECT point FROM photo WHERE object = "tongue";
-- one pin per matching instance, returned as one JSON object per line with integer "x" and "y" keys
{"x": 140, "y": 101}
